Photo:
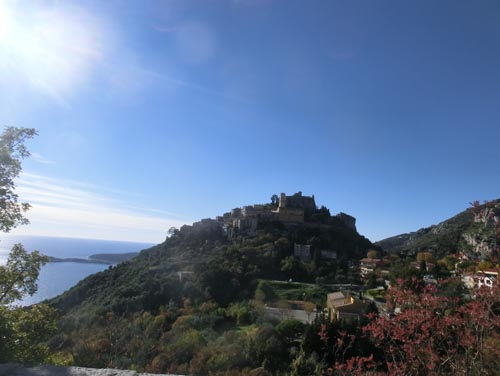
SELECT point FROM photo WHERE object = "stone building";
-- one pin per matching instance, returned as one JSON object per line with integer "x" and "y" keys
{"x": 292, "y": 208}
{"x": 248, "y": 211}
{"x": 298, "y": 201}
{"x": 246, "y": 226}
{"x": 258, "y": 211}
{"x": 368, "y": 266}
{"x": 302, "y": 252}
{"x": 342, "y": 306}
{"x": 236, "y": 212}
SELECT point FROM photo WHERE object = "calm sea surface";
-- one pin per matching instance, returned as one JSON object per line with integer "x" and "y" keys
{"x": 55, "y": 278}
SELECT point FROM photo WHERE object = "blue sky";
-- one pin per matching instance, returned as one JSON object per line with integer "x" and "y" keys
{"x": 156, "y": 113}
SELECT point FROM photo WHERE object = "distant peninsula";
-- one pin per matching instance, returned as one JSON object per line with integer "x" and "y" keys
{"x": 98, "y": 258}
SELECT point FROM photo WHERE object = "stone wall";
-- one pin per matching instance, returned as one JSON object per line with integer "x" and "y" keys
{"x": 11, "y": 369}
{"x": 291, "y": 215}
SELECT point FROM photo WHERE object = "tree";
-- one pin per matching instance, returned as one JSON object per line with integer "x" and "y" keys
{"x": 172, "y": 231}
{"x": 19, "y": 276}
{"x": 292, "y": 268}
{"x": 22, "y": 330}
{"x": 275, "y": 200}
{"x": 448, "y": 262}
{"x": 12, "y": 150}
{"x": 290, "y": 331}
{"x": 265, "y": 292}
{"x": 266, "y": 349}
{"x": 425, "y": 256}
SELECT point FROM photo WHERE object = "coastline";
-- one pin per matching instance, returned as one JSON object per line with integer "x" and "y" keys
{"x": 101, "y": 258}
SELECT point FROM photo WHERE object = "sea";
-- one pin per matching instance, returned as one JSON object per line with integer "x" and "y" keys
{"x": 55, "y": 278}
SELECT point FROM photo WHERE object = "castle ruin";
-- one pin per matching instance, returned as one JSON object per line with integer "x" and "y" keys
{"x": 294, "y": 209}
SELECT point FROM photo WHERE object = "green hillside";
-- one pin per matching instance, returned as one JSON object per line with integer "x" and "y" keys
{"x": 199, "y": 286}
{"x": 468, "y": 232}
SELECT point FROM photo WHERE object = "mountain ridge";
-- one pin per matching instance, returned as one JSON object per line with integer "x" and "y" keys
{"x": 468, "y": 231}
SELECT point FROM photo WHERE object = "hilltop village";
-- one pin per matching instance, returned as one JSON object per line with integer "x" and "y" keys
{"x": 291, "y": 211}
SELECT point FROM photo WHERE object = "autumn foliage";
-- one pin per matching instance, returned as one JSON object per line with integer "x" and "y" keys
{"x": 427, "y": 333}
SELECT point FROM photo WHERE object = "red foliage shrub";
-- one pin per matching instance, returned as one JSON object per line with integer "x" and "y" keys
{"x": 430, "y": 334}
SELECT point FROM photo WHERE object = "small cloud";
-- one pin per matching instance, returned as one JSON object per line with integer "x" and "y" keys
{"x": 41, "y": 159}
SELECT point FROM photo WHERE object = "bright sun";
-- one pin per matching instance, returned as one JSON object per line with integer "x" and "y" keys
{"x": 50, "y": 50}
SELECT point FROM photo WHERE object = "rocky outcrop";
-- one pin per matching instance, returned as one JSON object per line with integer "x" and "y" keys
{"x": 11, "y": 369}
{"x": 478, "y": 246}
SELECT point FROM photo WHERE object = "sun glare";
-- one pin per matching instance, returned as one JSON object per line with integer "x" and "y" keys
{"x": 5, "y": 22}
{"x": 50, "y": 50}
